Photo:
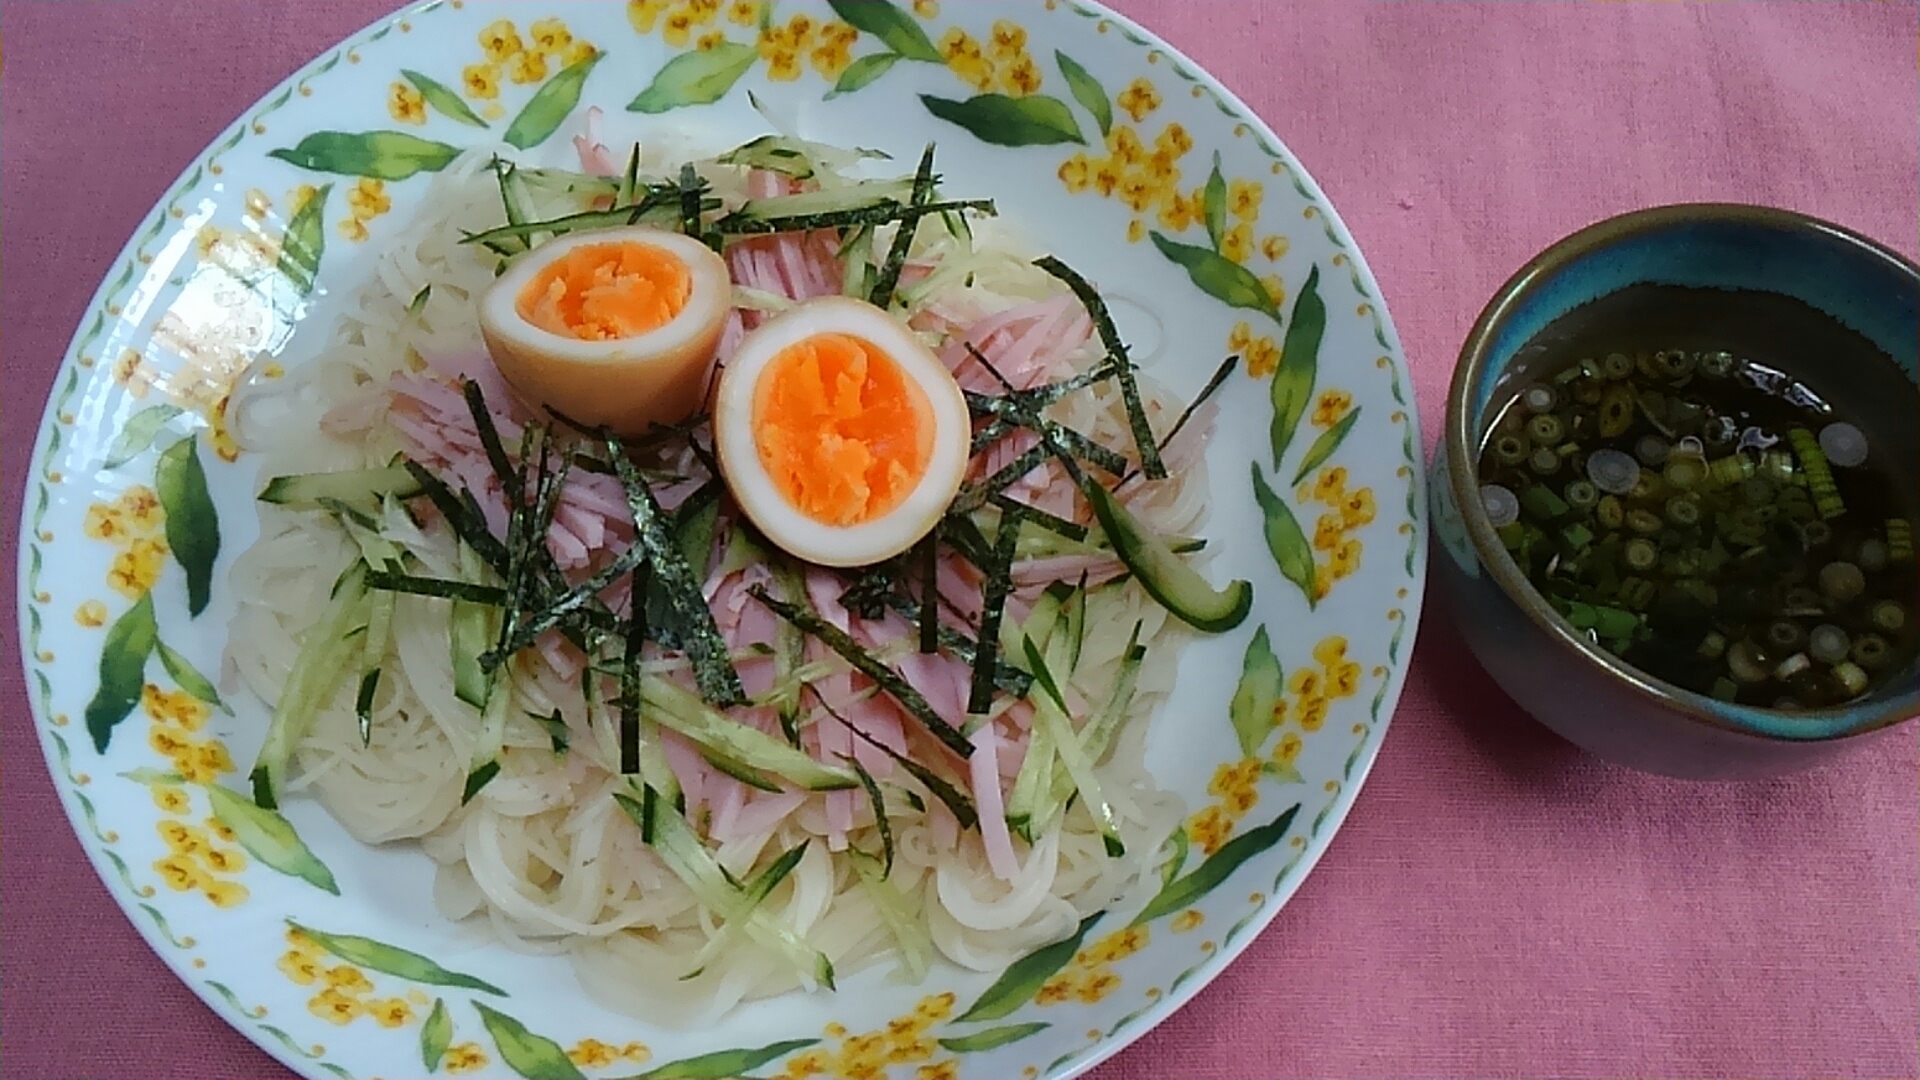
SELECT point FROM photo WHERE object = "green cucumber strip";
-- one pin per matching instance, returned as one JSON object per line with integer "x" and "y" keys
{"x": 899, "y": 913}
{"x": 357, "y": 488}
{"x": 1050, "y": 709}
{"x": 1167, "y": 578}
{"x": 856, "y": 276}
{"x": 473, "y": 627}
{"x": 745, "y": 747}
{"x": 659, "y": 206}
{"x": 679, "y": 847}
{"x": 327, "y": 649}
{"x": 1096, "y": 735}
{"x": 864, "y": 195}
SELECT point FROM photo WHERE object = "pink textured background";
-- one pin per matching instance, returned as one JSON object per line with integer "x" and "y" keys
{"x": 1496, "y": 905}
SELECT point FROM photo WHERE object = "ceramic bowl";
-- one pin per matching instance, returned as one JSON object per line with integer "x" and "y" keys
{"x": 1573, "y": 686}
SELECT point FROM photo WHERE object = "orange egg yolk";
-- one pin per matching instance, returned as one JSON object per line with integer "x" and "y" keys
{"x": 842, "y": 430}
{"x": 597, "y": 292}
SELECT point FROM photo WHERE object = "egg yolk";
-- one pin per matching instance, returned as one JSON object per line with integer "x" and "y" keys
{"x": 844, "y": 433}
{"x": 596, "y": 292}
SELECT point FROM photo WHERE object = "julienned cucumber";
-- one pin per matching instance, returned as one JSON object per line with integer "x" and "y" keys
{"x": 473, "y": 629}
{"x": 1167, "y": 577}
{"x": 355, "y": 487}
{"x": 328, "y": 649}
{"x": 827, "y": 201}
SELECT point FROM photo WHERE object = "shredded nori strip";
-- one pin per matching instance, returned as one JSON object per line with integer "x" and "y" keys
{"x": 706, "y": 650}
{"x": 556, "y": 611}
{"x": 1213, "y": 385}
{"x": 882, "y": 294}
{"x": 363, "y": 705}
{"x": 1122, "y": 363}
{"x": 691, "y": 188}
{"x": 477, "y": 779}
{"x": 629, "y": 180}
{"x": 867, "y": 596}
{"x": 443, "y": 588}
{"x": 955, "y": 800}
{"x": 465, "y": 518}
{"x": 963, "y": 535}
{"x": 1005, "y": 676}
{"x": 863, "y": 661}
{"x": 490, "y": 442}
{"x": 1072, "y": 530}
{"x": 880, "y": 213}
{"x": 974, "y": 496}
{"x": 556, "y": 729}
{"x": 879, "y": 808}
{"x": 630, "y": 674}
{"x": 930, "y": 592}
{"x": 999, "y": 584}
{"x": 1080, "y": 445}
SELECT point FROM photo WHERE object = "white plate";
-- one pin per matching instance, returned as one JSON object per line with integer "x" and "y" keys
{"x": 116, "y": 545}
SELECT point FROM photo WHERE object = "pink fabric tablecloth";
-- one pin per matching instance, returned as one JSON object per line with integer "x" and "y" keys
{"x": 1497, "y": 905}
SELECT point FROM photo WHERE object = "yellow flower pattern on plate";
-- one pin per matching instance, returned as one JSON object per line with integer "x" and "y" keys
{"x": 904, "y": 1040}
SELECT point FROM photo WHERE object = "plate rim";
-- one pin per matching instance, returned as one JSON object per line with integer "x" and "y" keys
{"x": 1321, "y": 831}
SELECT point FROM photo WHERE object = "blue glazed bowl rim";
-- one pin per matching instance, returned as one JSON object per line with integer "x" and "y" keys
{"x": 1459, "y": 444}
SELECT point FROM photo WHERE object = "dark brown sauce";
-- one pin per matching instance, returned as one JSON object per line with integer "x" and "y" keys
{"x": 1740, "y": 561}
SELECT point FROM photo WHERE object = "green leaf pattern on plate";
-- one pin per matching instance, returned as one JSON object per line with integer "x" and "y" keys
{"x": 1299, "y": 365}
{"x": 863, "y": 72}
{"x": 138, "y": 433}
{"x": 443, "y": 98}
{"x": 436, "y": 1035}
{"x": 1328, "y": 442}
{"x": 1213, "y": 208}
{"x": 393, "y": 960}
{"x": 1087, "y": 91}
{"x": 187, "y": 676}
{"x": 550, "y": 105}
{"x": 1037, "y": 120}
{"x": 1024, "y": 977}
{"x": 380, "y": 155}
{"x": 193, "y": 528}
{"x": 269, "y": 837}
{"x": 1218, "y": 867}
{"x": 895, "y": 28}
{"x": 992, "y": 1038}
{"x": 1257, "y": 694}
{"x": 535, "y": 1057}
{"x": 123, "y": 667}
{"x": 1284, "y": 539}
{"x": 724, "y": 1064}
{"x": 305, "y": 242}
{"x": 700, "y": 77}
{"x": 1217, "y": 276}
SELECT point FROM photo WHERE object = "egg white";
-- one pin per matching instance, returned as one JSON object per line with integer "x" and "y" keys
{"x": 754, "y": 489}
{"x": 627, "y": 384}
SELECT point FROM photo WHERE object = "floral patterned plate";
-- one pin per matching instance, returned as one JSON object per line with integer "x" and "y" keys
{"x": 1102, "y": 142}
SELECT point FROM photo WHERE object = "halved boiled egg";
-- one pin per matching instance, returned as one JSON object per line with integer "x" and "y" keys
{"x": 611, "y": 327}
{"x": 841, "y": 435}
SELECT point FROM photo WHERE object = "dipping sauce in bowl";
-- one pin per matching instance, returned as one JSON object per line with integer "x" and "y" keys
{"x": 1676, "y": 488}
{"x": 1673, "y": 476}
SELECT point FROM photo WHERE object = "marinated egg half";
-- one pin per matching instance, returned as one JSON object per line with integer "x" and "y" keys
{"x": 841, "y": 435}
{"x": 610, "y": 327}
